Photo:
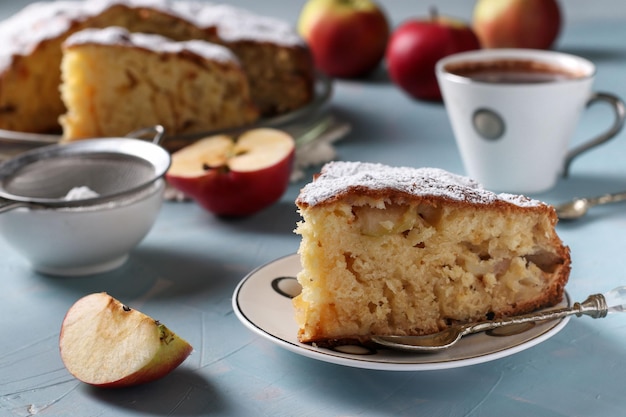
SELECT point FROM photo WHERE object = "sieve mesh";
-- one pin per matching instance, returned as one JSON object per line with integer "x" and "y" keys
{"x": 105, "y": 173}
{"x": 110, "y": 167}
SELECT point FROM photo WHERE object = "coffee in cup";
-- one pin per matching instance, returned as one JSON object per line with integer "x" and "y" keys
{"x": 512, "y": 71}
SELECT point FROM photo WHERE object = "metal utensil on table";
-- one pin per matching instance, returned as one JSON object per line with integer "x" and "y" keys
{"x": 595, "y": 306}
{"x": 110, "y": 167}
{"x": 578, "y": 207}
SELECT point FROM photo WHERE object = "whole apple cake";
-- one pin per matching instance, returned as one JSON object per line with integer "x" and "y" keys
{"x": 277, "y": 62}
{"x": 115, "y": 81}
{"x": 403, "y": 251}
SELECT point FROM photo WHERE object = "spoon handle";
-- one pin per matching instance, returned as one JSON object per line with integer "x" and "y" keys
{"x": 594, "y": 306}
{"x": 607, "y": 198}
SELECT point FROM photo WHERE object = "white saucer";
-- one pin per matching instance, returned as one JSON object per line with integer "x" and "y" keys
{"x": 262, "y": 302}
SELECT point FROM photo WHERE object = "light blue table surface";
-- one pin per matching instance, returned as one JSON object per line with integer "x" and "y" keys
{"x": 186, "y": 269}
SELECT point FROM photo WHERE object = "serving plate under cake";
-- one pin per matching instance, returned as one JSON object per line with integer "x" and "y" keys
{"x": 323, "y": 89}
{"x": 262, "y": 302}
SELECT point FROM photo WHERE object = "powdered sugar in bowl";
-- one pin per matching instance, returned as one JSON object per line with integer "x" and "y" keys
{"x": 78, "y": 208}
{"x": 82, "y": 240}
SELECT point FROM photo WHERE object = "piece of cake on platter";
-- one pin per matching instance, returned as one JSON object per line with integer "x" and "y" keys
{"x": 403, "y": 251}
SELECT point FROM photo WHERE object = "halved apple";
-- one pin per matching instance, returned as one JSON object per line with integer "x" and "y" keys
{"x": 107, "y": 344}
{"x": 235, "y": 176}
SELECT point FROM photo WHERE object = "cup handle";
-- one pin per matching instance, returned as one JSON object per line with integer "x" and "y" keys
{"x": 620, "y": 117}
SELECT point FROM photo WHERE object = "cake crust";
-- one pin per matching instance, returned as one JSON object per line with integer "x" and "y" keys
{"x": 390, "y": 250}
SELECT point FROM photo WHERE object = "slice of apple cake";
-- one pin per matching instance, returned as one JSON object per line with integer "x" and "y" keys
{"x": 403, "y": 251}
{"x": 115, "y": 81}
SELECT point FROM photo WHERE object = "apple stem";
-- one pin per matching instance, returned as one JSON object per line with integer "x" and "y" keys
{"x": 434, "y": 13}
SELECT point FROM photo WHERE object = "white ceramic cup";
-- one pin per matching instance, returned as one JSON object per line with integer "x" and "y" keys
{"x": 513, "y": 136}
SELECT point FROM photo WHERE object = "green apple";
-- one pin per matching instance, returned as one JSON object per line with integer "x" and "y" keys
{"x": 107, "y": 344}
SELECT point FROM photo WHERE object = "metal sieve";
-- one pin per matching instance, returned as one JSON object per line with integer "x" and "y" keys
{"x": 108, "y": 167}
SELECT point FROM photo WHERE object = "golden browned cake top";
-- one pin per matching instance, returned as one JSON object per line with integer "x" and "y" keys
{"x": 22, "y": 32}
{"x": 39, "y": 21}
{"x": 234, "y": 24}
{"x": 339, "y": 178}
{"x": 121, "y": 37}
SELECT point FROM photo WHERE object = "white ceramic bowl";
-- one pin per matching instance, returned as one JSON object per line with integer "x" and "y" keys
{"x": 82, "y": 240}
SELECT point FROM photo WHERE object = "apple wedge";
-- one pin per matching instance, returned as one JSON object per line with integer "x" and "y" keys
{"x": 235, "y": 176}
{"x": 107, "y": 344}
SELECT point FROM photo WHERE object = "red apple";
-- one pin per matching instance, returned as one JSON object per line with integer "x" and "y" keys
{"x": 416, "y": 46}
{"x": 347, "y": 37}
{"x": 107, "y": 344}
{"x": 235, "y": 176}
{"x": 531, "y": 24}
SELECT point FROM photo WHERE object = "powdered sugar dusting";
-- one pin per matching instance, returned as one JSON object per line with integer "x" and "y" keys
{"x": 339, "y": 176}
{"x": 237, "y": 24}
{"x": 22, "y": 32}
{"x": 122, "y": 37}
{"x": 80, "y": 193}
{"x": 40, "y": 21}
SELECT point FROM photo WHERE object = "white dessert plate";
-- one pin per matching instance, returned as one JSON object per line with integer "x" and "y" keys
{"x": 323, "y": 89}
{"x": 262, "y": 302}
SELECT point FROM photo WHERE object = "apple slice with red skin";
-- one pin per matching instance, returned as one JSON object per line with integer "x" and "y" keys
{"x": 107, "y": 344}
{"x": 235, "y": 176}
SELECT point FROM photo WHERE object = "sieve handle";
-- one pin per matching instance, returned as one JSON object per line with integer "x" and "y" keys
{"x": 157, "y": 132}
{"x": 7, "y": 205}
